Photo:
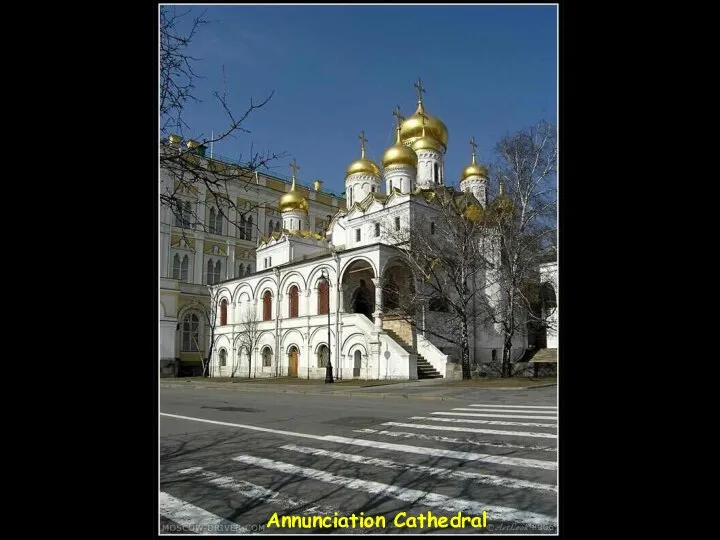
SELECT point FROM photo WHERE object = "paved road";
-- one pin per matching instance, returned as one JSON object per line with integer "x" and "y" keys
{"x": 230, "y": 461}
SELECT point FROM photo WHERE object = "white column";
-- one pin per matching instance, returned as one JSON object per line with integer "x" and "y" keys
{"x": 342, "y": 299}
{"x": 377, "y": 314}
{"x": 164, "y": 254}
{"x": 306, "y": 302}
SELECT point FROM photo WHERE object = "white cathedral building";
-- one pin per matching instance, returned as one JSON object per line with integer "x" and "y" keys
{"x": 299, "y": 313}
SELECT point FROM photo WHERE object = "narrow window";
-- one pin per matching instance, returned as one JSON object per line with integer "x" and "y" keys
{"x": 176, "y": 267}
{"x": 267, "y": 357}
{"x": 377, "y": 230}
{"x": 267, "y": 306}
{"x": 293, "y": 308}
{"x": 432, "y": 227}
{"x": 322, "y": 356}
{"x": 223, "y": 312}
{"x": 184, "y": 269}
{"x": 223, "y": 357}
{"x": 323, "y": 298}
{"x": 357, "y": 235}
{"x": 210, "y": 272}
{"x": 397, "y": 223}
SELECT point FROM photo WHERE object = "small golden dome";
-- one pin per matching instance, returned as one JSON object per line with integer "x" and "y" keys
{"x": 292, "y": 200}
{"x": 427, "y": 143}
{"x": 411, "y": 128}
{"x": 474, "y": 169}
{"x": 399, "y": 154}
{"x": 502, "y": 205}
{"x": 362, "y": 165}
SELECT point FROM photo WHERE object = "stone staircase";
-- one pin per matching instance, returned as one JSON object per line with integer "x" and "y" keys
{"x": 425, "y": 370}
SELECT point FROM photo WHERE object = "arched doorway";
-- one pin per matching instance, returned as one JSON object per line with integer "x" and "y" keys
{"x": 398, "y": 285}
{"x": 293, "y": 362}
{"x": 358, "y": 288}
{"x": 362, "y": 300}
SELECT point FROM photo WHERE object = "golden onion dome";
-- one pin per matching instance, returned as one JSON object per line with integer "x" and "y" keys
{"x": 292, "y": 200}
{"x": 411, "y": 128}
{"x": 474, "y": 169}
{"x": 399, "y": 154}
{"x": 362, "y": 165}
{"x": 502, "y": 205}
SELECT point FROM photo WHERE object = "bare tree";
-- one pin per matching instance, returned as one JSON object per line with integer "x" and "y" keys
{"x": 525, "y": 222}
{"x": 445, "y": 250}
{"x": 187, "y": 168}
{"x": 210, "y": 312}
{"x": 249, "y": 337}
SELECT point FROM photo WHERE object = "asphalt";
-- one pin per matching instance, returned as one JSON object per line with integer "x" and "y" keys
{"x": 229, "y": 461}
{"x": 426, "y": 389}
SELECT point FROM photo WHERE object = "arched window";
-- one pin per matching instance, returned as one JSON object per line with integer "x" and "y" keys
{"x": 223, "y": 357}
{"x": 436, "y": 176}
{"x": 184, "y": 268}
{"x": 218, "y": 268}
{"x": 223, "y": 312}
{"x": 389, "y": 187}
{"x": 176, "y": 267}
{"x": 267, "y": 306}
{"x": 270, "y": 226}
{"x": 178, "y": 211}
{"x": 190, "y": 333}
{"x": 267, "y": 357}
{"x": 323, "y": 297}
{"x": 248, "y": 229}
{"x": 186, "y": 215}
{"x": 322, "y": 356}
{"x": 212, "y": 220}
{"x": 210, "y": 272}
{"x": 218, "y": 223}
{"x": 432, "y": 227}
{"x": 248, "y": 270}
{"x": 293, "y": 294}
{"x": 350, "y": 196}
{"x": 241, "y": 270}
{"x": 277, "y": 226}
{"x": 241, "y": 228}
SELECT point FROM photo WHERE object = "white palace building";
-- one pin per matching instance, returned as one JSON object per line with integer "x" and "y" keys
{"x": 294, "y": 306}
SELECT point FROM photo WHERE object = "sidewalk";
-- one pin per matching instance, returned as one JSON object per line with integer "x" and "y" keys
{"x": 425, "y": 389}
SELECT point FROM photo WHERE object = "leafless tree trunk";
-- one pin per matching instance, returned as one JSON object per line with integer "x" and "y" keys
{"x": 445, "y": 251}
{"x": 211, "y": 312}
{"x": 525, "y": 214}
{"x": 249, "y": 333}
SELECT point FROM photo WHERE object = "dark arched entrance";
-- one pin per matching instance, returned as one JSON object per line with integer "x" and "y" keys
{"x": 358, "y": 288}
{"x": 363, "y": 300}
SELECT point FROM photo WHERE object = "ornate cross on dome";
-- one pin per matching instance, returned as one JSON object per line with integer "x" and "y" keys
{"x": 420, "y": 90}
{"x": 473, "y": 145}
{"x": 363, "y": 140}
{"x": 396, "y": 114}
{"x": 423, "y": 116}
{"x": 294, "y": 167}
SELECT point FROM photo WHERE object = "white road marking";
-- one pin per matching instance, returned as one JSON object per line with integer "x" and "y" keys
{"x": 454, "y": 454}
{"x": 488, "y": 479}
{"x": 513, "y": 406}
{"x": 195, "y": 518}
{"x": 468, "y": 456}
{"x": 490, "y": 422}
{"x": 413, "y": 496}
{"x": 474, "y": 430}
{"x": 490, "y": 413}
{"x": 255, "y": 492}
{"x": 440, "y": 438}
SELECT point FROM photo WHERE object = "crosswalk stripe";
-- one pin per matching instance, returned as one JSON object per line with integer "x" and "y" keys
{"x": 489, "y": 422}
{"x": 510, "y": 411}
{"x": 195, "y": 518}
{"x": 422, "y": 469}
{"x": 487, "y": 413}
{"x": 455, "y": 454}
{"x": 255, "y": 492}
{"x": 473, "y": 430}
{"x": 440, "y": 438}
{"x": 513, "y": 406}
{"x": 414, "y": 496}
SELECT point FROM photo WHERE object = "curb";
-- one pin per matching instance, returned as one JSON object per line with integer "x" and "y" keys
{"x": 380, "y": 395}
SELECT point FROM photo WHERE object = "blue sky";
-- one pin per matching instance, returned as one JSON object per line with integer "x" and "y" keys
{"x": 337, "y": 70}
